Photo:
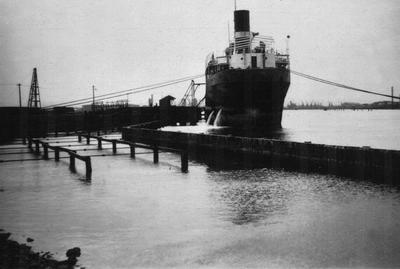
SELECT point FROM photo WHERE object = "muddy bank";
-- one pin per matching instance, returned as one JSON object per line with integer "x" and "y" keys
{"x": 15, "y": 255}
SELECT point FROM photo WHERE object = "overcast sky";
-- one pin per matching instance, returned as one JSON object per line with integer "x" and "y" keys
{"x": 122, "y": 44}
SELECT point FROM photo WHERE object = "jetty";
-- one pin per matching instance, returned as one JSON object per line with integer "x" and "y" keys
{"x": 359, "y": 163}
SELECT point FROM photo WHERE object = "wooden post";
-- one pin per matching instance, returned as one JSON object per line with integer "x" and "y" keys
{"x": 88, "y": 163}
{"x": 37, "y": 149}
{"x": 132, "y": 150}
{"x": 98, "y": 132}
{"x": 114, "y": 146}
{"x": 155, "y": 153}
{"x": 72, "y": 163}
{"x": 99, "y": 145}
{"x": 45, "y": 151}
{"x": 184, "y": 161}
{"x": 29, "y": 142}
{"x": 56, "y": 154}
{"x": 88, "y": 139}
{"x": 79, "y": 138}
{"x": 24, "y": 140}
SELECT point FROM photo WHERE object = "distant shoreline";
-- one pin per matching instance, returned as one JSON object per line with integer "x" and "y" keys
{"x": 344, "y": 105}
{"x": 344, "y": 108}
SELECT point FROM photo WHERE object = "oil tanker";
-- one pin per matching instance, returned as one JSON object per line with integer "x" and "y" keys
{"x": 247, "y": 86}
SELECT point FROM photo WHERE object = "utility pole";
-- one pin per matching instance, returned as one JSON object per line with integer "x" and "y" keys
{"x": 19, "y": 91}
{"x": 93, "y": 97}
{"x": 392, "y": 98}
{"x": 229, "y": 35}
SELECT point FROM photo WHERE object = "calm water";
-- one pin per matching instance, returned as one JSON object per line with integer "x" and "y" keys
{"x": 138, "y": 214}
{"x": 375, "y": 128}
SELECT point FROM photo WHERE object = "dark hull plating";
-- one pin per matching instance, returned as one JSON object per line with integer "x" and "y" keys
{"x": 249, "y": 97}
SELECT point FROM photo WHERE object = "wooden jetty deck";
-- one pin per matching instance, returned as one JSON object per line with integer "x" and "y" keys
{"x": 35, "y": 144}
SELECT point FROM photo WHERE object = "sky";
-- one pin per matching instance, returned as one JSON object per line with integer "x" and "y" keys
{"x": 122, "y": 44}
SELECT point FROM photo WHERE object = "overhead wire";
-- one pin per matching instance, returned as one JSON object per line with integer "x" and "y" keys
{"x": 125, "y": 92}
{"x": 149, "y": 87}
{"x": 340, "y": 85}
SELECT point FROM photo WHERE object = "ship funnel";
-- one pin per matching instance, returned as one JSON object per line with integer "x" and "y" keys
{"x": 242, "y": 20}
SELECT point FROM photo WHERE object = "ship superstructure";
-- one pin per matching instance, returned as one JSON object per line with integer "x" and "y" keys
{"x": 249, "y": 83}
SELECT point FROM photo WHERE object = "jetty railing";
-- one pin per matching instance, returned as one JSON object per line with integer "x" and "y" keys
{"x": 57, "y": 149}
{"x": 154, "y": 146}
{"x": 34, "y": 144}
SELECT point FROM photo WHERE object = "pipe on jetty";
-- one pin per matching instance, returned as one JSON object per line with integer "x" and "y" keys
{"x": 361, "y": 163}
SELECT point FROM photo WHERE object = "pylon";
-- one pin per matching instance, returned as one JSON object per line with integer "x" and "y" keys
{"x": 34, "y": 95}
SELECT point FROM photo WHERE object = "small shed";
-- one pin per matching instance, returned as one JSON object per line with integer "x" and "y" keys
{"x": 166, "y": 101}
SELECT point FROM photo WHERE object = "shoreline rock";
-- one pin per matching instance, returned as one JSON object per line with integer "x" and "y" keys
{"x": 16, "y": 255}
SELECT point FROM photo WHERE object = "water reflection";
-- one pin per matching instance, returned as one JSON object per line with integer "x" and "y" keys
{"x": 249, "y": 196}
{"x": 155, "y": 216}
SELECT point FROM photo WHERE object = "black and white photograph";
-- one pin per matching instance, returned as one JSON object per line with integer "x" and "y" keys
{"x": 199, "y": 134}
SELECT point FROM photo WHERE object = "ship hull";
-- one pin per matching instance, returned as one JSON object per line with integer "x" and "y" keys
{"x": 249, "y": 98}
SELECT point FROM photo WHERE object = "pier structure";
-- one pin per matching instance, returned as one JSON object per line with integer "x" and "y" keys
{"x": 360, "y": 163}
{"x": 57, "y": 149}
{"x": 35, "y": 122}
{"x": 35, "y": 144}
{"x": 154, "y": 146}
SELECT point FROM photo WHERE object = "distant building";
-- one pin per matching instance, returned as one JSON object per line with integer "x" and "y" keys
{"x": 63, "y": 109}
{"x": 106, "y": 105}
{"x": 166, "y": 101}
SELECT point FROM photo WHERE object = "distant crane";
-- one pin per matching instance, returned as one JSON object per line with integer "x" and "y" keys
{"x": 34, "y": 95}
{"x": 189, "y": 97}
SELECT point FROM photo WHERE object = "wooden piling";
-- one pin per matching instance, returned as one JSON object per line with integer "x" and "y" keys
{"x": 155, "y": 153}
{"x": 184, "y": 161}
{"x": 99, "y": 145}
{"x": 79, "y": 138}
{"x": 88, "y": 164}
{"x": 56, "y": 154}
{"x": 114, "y": 146}
{"x": 24, "y": 140}
{"x": 132, "y": 146}
{"x": 45, "y": 151}
{"x": 88, "y": 139}
{"x": 37, "y": 149}
{"x": 29, "y": 142}
{"x": 72, "y": 162}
